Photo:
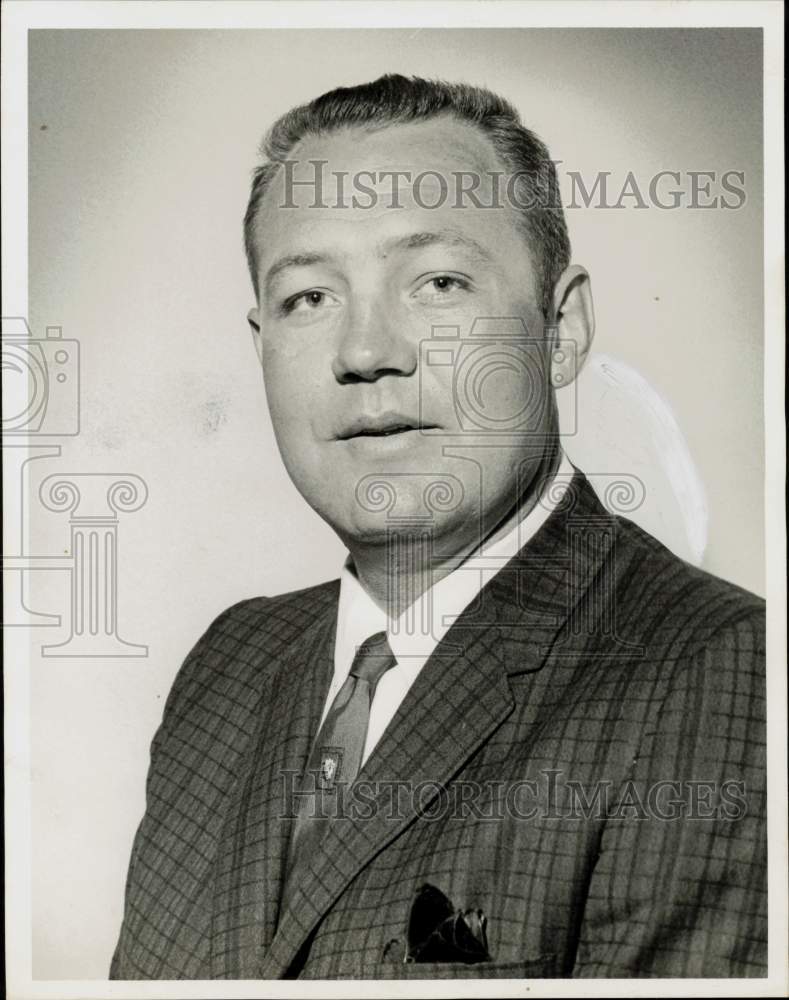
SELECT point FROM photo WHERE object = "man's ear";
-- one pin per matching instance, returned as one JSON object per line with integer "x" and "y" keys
{"x": 573, "y": 323}
{"x": 253, "y": 318}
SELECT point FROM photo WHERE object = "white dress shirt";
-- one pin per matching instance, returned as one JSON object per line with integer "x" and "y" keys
{"x": 414, "y": 636}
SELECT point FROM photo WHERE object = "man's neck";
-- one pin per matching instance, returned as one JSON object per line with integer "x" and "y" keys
{"x": 398, "y": 572}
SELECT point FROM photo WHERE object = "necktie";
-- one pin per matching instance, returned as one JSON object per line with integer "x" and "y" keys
{"x": 336, "y": 756}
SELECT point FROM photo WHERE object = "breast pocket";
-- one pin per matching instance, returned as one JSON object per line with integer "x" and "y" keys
{"x": 543, "y": 967}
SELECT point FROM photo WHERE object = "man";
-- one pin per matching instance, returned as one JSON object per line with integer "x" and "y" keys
{"x": 518, "y": 738}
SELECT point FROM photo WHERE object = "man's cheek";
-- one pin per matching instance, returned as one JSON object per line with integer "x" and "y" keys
{"x": 288, "y": 411}
{"x": 437, "y": 398}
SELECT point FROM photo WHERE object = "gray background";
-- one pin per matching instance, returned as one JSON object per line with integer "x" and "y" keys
{"x": 141, "y": 145}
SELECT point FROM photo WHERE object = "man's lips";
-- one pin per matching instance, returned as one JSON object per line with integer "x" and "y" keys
{"x": 386, "y": 432}
{"x": 382, "y": 425}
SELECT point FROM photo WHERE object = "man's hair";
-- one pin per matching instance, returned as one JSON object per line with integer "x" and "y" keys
{"x": 395, "y": 100}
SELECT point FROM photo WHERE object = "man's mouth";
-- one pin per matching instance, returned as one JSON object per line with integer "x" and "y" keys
{"x": 382, "y": 425}
{"x": 386, "y": 432}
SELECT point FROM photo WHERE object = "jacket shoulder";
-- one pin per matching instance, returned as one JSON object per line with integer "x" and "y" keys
{"x": 279, "y": 619}
{"x": 667, "y": 587}
{"x": 654, "y": 590}
{"x": 233, "y": 660}
{"x": 688, "y": 630}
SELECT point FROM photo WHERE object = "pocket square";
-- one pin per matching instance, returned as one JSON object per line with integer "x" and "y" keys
{"x": 438, "y": 932}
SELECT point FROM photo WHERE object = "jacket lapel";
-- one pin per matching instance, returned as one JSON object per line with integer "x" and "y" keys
{"x": 253, "y": 848}
{"x": 456, "y": 703}
{"x": 423, "y": 744}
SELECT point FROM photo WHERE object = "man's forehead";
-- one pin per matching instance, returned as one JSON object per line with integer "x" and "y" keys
{"x": 414, "y": 164}
{"x": 445, "y": 141}
{"x": 426, "y": 176}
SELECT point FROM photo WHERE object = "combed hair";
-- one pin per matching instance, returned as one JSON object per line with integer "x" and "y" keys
{"x": 393, "y": 100}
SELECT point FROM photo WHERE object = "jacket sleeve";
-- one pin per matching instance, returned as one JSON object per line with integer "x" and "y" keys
{"x": 679, "y": 886}
{"x": 184, "y": 692}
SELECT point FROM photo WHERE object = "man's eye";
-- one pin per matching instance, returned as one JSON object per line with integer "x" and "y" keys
{"x": 442, "y": 286}
{"x": 310, "y": 301}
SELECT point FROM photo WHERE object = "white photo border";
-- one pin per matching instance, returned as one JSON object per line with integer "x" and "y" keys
{"x": 20, "y": 16}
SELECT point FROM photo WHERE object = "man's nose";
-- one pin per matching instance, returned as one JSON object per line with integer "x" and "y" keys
{"x": 373, "y": 344}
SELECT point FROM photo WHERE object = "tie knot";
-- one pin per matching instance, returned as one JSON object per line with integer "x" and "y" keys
{"x": 373, "y": 658}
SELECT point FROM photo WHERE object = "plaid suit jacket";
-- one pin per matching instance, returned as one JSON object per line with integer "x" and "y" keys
{"x": 582, "y": 759}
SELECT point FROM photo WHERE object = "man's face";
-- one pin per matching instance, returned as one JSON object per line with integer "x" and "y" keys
{"x": 370, "y": 403}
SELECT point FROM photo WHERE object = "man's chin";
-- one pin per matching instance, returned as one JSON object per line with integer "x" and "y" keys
{"x": 368, "y": 529}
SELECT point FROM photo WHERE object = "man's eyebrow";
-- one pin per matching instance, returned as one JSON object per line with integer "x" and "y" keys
{"x": 411, "y": 241}
{"x": 441, "y": 237}
{"x": 293, "y": 260}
